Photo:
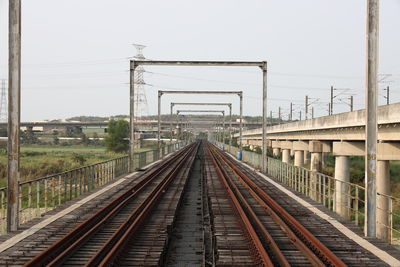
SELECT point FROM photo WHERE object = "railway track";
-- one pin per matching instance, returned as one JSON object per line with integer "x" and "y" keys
{"x": 196, "y": 208}
{"x": 275, "y": 237}
{"x": 102, "y": 239}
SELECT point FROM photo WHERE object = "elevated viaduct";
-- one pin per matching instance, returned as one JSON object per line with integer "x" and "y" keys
{"x": 343, "y": 135}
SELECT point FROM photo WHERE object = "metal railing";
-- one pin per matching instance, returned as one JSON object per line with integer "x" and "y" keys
{"x": 346, "y": 199}
{"x": 41, "y": 195}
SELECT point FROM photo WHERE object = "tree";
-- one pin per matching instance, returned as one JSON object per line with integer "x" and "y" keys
{"x": 96, "y": 140}
{"x": 118, "y": 132}
{"x": 78, "y": 158}
{"x": 84, "y": 139}
{"x": 28, "y": 137}
{"x": 56, "y": 140}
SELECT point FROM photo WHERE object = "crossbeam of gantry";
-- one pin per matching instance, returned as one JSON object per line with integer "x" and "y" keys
{"x": 239, "y": 93}
{"x": 135, "y": 63}
{"x": 206, "y": 111}
{"x": 204, "y": 104}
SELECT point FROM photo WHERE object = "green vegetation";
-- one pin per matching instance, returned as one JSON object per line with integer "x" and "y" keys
{"x": 118, "y": 132}
{"x": 41, "y": 160}
{"x": 357, "y": 173}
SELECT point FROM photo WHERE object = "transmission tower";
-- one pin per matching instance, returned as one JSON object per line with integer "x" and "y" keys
{"x": 3, "y": 102}
{"x": 140, "y": 100}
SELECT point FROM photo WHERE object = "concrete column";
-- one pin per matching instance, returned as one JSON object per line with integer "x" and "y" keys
{"x": 298, "y": 158}
{"x": 323, "y": 160}
{"x": 306, "y": 157}
{"x": 292, "y": 152}
{"x": 286, "y": 155}
{"x": 14, "y": 114}
{"x": 383, "y": 187}
{"x": 276, "y": 152}
{"x": 342, "y": 173}
{"x": 316, "y": 158}
{"x": 316, "y": 161}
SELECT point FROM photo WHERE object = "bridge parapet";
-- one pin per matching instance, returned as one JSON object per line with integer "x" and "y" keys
{"x": 41, "y": 195}
{"x": 343, "y": 126}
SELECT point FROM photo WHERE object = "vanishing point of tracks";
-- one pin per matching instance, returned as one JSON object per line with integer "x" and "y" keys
{"x": 199, "y": 203}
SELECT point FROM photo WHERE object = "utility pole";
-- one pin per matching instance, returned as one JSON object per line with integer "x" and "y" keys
{"x": 387, "y": 95}
{"x": 312, "y": 112}
{"x": 371, "y": 110}
{"x": 159, "y": 121}
{"x": 14, "y": 116}
{"x": 331, "y": 106}
{"x": 300, "y": 114}
{"x": 170, "y": 123}
{"x": 306, "y": 107}
{"x": 270, "y": 115}
{"x": 291, "y": 111}
{"x": 279, "y": 114}
{"x": 351, "y": 103}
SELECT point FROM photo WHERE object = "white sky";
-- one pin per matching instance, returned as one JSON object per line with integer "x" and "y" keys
{"x": 75, "y": 53}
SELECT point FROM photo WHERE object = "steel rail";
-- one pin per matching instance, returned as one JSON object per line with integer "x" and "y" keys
{"x": 87, "y": 228}
{"x": 286, "y": 229}
{"x": 319, "y": 249}
{"x": 117, "y": 242}
{"x": 247, "y": 227}
{"x": 280, "y": 258}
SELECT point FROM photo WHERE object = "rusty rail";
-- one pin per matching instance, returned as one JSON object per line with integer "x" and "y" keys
{"x": 306, "y": 242}
{"x": 59, "y": 251}
{"x": 110, "y": 251}
{"x": 237, "y": 198}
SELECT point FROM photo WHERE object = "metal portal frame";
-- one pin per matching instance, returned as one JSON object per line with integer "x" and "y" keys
{"x": 183, "y": 124}
{"x": 205, "y": 104}
{"x": 205, "y": 111}
{"x": 239, "y": 93}
{"x": 261, "y": 64}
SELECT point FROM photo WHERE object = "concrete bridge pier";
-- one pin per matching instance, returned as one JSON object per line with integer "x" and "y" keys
{"x": 306, "y": 157}
{"x": 382, "y": 211}
{"x": 315, "y": 147}
{"x": 342, "y": 174}
{"x": 316, "y": 164}
{"x": 286, "y": 155}
{"x": 276, "y": 152}
{"x": 298, "y": 158}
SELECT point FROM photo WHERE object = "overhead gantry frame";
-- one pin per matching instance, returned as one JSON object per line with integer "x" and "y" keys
{"x": 239, "y": 93}
{"x": 205, "y": 104}
{"x": 204, "y": 111}
{"x": 261, "y": 64}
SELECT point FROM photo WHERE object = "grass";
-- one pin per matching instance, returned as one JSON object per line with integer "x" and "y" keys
{"x": 41, "y": 160}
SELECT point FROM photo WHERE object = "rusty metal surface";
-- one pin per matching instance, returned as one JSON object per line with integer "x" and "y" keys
{"x": 94, "y": 227}
{"x": 251, "y": 223}
{"x": 199, "y": 63}
{"x": 260, "y": 255}
{"x": 314, "y": 250}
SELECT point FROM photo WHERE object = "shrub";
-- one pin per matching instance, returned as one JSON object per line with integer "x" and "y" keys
{"x": 118, "y": 132}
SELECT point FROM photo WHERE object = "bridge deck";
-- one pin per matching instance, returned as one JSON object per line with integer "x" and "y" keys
{"x": 343, "y": 238}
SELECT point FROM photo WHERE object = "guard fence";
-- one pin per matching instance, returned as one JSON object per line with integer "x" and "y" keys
{"x": 346, "y": 199}
{"x": 41, "y": 195}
